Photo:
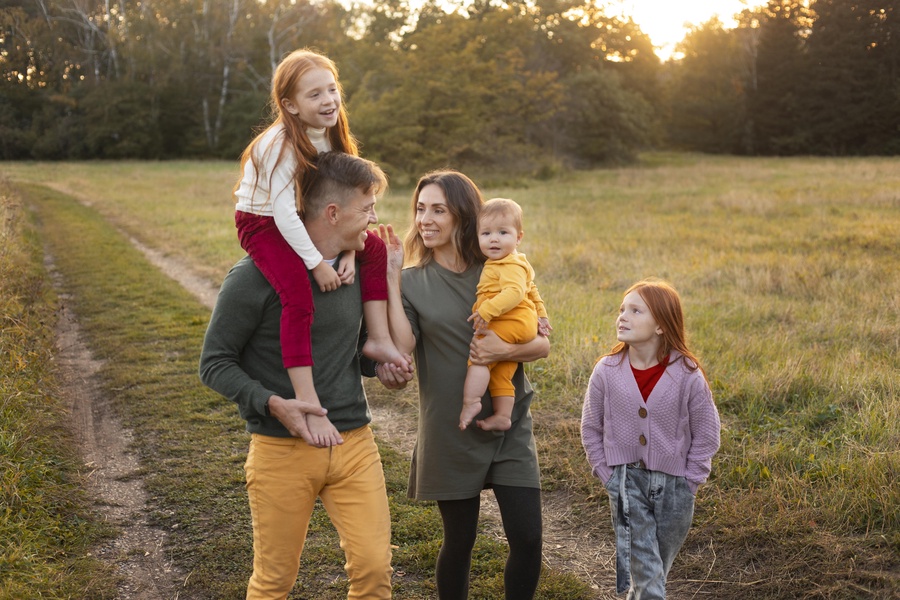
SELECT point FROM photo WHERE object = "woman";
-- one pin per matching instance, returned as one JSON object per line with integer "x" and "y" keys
{"x": 450, "y": 466}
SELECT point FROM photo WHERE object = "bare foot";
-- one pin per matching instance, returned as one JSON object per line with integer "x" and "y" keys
{"x": 386, "y": 352}
{"x": 495, "y": 423}
{"x": 323, "y": 432}
{"x": 469, "y": 412}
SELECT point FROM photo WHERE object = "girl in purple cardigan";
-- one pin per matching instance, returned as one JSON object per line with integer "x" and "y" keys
{"x": 650, "y": 429}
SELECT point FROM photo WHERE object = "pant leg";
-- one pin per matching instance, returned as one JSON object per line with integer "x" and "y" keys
{"x": 285, "y": 271}
{"x": 284, "y": 476}
{"x": 460, "y": 521}
{"x": 501, "y": 379}
{"x": 373, "y": 269}
{"x": 520, "y": 509}
{"x": 515, "y": 327}
{"x": 674, "y": 514}
{"x": 660, "y": 517}
{"x": 355, "y": 498}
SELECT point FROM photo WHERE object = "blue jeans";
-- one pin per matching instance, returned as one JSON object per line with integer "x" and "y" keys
{"x": 651, "y": 515}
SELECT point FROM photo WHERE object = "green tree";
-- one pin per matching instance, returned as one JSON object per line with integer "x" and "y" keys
{"x": 775, "y": 98}
{"x": 851, "y": 101}
{"x": 707, "y": 91}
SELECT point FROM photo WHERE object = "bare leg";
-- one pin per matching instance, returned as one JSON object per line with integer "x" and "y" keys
{"x": 501, "y": 420}
{"x": 477, "y": 378}
{"x": 320, "y": 428}
{"x": 379, "y": 346}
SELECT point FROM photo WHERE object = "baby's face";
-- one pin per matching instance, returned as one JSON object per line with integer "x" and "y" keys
{"x": 498, "y": 236}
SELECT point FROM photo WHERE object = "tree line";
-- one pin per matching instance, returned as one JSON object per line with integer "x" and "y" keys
{"x": 524, "y": 86}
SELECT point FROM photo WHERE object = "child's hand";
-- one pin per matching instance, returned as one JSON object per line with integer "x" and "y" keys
{"x": 347, "y": 267}
{"x": 478, "y": 324}
{"x": 544, "y": 327}
{"x": 326, "y": 277}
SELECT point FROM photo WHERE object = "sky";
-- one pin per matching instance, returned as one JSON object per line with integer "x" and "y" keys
{"x": 667, "y": 21}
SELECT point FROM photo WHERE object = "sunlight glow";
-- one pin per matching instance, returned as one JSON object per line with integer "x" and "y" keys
{"x": 667, "y": 21}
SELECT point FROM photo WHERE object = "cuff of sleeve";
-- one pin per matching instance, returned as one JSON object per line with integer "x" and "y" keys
{"x": 367, "y": 366}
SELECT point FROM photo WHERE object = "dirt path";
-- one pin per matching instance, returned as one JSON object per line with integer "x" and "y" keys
{"x": 113, "y": 470}
{"x": 569, "y": 546}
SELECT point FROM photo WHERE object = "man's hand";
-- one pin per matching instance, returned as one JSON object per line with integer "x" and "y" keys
{"x": 292, "y": 414}
{"x": 392, "y": 377}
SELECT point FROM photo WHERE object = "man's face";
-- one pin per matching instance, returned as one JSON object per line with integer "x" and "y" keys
{"x": 355, "y": 217}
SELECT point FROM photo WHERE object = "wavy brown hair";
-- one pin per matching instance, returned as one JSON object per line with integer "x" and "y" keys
{"x": 284, "y": 86}
{"x": 665, "y": 305}
{"x": 464, "y": 201}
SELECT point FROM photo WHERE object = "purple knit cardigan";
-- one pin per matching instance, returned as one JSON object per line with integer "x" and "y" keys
{"x": 676, "y": 431}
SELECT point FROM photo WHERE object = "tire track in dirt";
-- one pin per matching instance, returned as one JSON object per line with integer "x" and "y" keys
{"x": 112, "y": 468}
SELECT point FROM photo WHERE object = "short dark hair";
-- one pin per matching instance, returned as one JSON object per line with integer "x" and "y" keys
{"x": 334, "y": 175}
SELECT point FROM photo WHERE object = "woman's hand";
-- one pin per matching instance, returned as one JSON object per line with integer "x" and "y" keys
{"x": 489, "y": 348}
{"x": 394, "y": 248}
{"x": 392, "y": 377}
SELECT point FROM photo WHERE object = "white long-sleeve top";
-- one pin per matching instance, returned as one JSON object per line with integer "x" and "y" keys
{"x": 271, "y": 191}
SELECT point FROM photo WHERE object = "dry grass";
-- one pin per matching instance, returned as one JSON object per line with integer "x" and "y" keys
{"x": 789, "y": 273}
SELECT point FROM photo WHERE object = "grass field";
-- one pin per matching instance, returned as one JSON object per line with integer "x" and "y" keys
{"x": 790, "y": 274}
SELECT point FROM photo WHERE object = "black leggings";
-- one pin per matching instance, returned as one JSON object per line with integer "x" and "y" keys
{"x": 520, "y": 509}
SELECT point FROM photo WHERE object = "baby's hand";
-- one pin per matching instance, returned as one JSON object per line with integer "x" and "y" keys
{"x": 347, "y": 267}
{"x": 326, "y": 277}
{"x": 544, "y": 327}
{"x": 323, "y": 432}
{"x": 478, "y": 324}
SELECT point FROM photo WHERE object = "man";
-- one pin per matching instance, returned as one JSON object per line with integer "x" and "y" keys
{"x": 285, "y": 470}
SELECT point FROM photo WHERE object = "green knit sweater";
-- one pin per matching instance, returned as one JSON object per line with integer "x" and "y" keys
{"x": 241, "y": 356}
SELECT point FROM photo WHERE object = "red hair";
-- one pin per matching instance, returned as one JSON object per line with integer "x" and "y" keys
{"x": 665, "y": 305}
{"x": 284, "y": 85}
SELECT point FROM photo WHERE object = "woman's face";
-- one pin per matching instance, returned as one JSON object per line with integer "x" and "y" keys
{"x": 434, "y": 221}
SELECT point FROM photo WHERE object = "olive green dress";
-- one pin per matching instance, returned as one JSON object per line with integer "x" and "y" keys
{"x": 449, "y": 464}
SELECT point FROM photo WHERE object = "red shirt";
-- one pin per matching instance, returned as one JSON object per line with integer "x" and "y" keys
{"x": 646, "y": 378}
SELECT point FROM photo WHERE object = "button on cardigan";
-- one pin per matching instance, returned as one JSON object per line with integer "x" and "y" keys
{"x": 679, "y": 434}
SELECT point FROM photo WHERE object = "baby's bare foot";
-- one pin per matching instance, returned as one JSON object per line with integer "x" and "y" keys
{"x": 469, "y": 412}
{"x": 495, "y": 423}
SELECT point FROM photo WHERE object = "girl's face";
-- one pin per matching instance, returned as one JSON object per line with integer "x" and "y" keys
{"x": 434, "y": 221}
{"x": 498, "y": 236}
{"x": 316, "y": 100}
{"x": 635, "y": 325}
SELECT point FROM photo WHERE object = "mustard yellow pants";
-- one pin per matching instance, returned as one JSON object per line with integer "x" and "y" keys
{"x": 517, "y": 326}
{"x": 284, "y": 478}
